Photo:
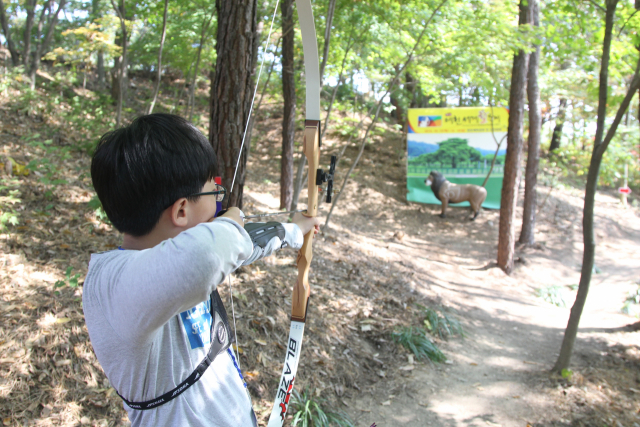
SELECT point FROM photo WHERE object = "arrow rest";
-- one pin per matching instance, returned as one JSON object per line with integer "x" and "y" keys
{"x": 322, "y": 177}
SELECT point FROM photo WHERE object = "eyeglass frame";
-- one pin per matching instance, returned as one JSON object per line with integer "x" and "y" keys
{"x": 207, "y": 193}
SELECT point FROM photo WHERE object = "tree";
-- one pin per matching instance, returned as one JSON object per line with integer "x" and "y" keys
{"x": 232, "y": 88}
{"x": 452, "y": 151}
{"x": 556, "y": 137}
{"x": 289, "y": 95}
{"x": 159, "y": 66}
{"x": 527, "y": 234}
{"x": 509, "y": 198}
{"x": 599, "y": 148}
{"x": 120, "y": 64}
{"x": 15, "y": 56}
{"x": 42, "y": 44}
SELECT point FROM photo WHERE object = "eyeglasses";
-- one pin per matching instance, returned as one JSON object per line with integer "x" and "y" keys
{"x": 220, "y": 193}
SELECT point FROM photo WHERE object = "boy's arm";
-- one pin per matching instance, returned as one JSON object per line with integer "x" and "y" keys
{"x": 277, "y": 236}
{"x": 153, "y": 285}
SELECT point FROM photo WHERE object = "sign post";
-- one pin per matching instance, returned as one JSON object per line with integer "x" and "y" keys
{"x": 625, "y": 190}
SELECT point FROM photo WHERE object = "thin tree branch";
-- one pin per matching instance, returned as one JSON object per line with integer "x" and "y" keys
{"x": 375, "y": 118}
{"x": 602, "y": 9}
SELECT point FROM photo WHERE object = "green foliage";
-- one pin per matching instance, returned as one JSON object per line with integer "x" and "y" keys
{"x": 95, "y": 205}
{"x": 566, "y": 374}
{"x": 439, "y": 321}
{"x": 450, "y": 152}
{"x": 632, "y": 303}
{"x": 69, "y": 280}
{"x": 552, "y": 294}
{"x": 416, "y": 341}
{"x": 312, "y": 411}
{"x": 9, "y": 197}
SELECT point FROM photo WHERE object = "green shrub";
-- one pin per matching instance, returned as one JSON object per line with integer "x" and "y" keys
{"x": 311, "y": 411}
{"x": 442, "y": 323}
{"x": 416, "y": 341}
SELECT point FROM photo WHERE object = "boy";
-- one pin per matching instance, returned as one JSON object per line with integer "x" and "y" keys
{"x": 154, "y": 316}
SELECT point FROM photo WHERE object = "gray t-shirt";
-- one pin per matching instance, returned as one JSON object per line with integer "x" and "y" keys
{"x": 148, "y": 318}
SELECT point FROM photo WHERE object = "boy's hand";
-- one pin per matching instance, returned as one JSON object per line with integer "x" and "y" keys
{"x": 306, "y": 224}
{"x": 234, "y": 214}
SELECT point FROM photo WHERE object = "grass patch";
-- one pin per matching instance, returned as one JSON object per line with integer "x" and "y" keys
{"x": 632, "y": 303}
{"x": 441, "y": 322}
{"x": 310, "y": 411}
{"x": 416, "y": 341}
{"x": 552, "y": 294}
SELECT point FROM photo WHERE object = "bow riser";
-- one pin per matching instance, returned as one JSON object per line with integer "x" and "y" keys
{"x": 302, "y": 289}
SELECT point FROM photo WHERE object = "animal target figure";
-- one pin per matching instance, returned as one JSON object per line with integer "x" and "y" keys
{"x": 447, "y": 193}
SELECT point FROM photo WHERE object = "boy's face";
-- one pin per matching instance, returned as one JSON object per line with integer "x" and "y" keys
{"x": 204, "y": 209}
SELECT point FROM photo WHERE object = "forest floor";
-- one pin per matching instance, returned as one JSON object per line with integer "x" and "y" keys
{"x": 378, "y": 266}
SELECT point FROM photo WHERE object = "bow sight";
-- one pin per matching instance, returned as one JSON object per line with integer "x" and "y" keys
{"x": 322, "y": 177}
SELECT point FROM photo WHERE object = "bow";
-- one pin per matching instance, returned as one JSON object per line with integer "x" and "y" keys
{"x": 311, "y": 149}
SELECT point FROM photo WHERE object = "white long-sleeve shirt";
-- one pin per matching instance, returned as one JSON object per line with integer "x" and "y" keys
{"x": 148, "y": 316}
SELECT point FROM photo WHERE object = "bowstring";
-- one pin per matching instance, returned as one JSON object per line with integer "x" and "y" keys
{"x": 233, "y": 182}
{"x": 255, "y": 91}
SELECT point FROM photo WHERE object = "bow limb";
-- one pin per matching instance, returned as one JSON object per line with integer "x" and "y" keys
{"x": 311, "y": 149}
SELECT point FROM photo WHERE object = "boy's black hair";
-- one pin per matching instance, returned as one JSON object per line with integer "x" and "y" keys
{"x": 140, "y": 170}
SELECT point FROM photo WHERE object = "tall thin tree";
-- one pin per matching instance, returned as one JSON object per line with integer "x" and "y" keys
{"x": 6, "y": 30}
{"x": 122, "y": 69}
{"x": 599, "y": 147}
{"x": 510, "y": 183}
{"x": 527, "y": 234}
{"x": 159, "y": 66}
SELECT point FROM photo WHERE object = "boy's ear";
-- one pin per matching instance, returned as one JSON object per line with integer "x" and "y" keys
{"x": 179, "y": 209}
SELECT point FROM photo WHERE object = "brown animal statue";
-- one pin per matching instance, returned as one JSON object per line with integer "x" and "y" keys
{"x": 447, "y": 193}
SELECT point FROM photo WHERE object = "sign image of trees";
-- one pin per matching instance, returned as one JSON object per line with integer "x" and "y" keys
{"x": 455, "y": 157}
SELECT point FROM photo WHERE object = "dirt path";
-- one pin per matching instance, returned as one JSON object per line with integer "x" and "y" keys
{"x": 499, "y": 375}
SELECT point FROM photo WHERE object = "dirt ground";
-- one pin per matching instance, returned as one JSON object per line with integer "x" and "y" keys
{"x": 378, "y": 263}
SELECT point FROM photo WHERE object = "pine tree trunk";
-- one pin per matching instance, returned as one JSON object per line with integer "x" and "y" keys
{"x": 556, "y": 137}
{"x": 511, "y": 180}
{"x": 599, "y": 148}
{"x": 233, "y": 85}
{"x": 289, "y": 116}
{"x": 527, "y": 235}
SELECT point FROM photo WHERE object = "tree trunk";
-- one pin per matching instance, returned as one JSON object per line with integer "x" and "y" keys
{"x": 233, "y": 83}
{"x": 122, "y": 69}
{"x": 527, "y": 235}
{"x": 289, "y": 116}
{"x": 95, "y": 14}
{"x": 159, "y": 75}
{"x": 327, "y": 38}
{"x": 510, "y": 183}
{"x": 599, "y": 148}
{"x": 42, "y": 47}
{"x": 15, "y": 56}
{"x": 557, "y": 130}
{"x": 26, "y": 52}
